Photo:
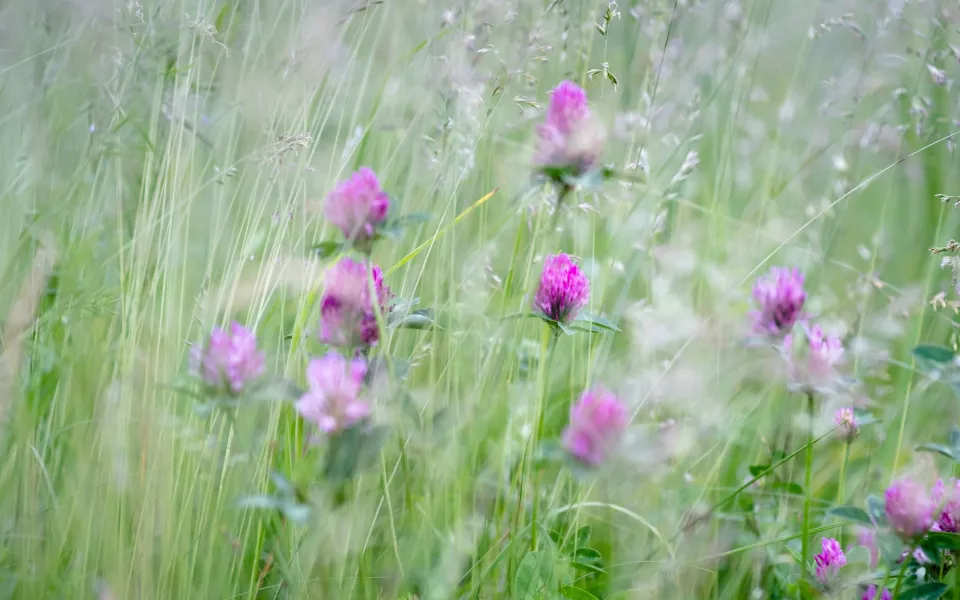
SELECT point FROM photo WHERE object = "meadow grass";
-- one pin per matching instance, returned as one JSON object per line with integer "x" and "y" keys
{"x": 163, "y": 168}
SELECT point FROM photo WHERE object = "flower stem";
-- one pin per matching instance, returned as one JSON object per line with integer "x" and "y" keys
{"x": 842, "y": 481}
{"x": 807, "y": 485}
{"x": 548, "y": 341}
{"x": 902, "y": 574}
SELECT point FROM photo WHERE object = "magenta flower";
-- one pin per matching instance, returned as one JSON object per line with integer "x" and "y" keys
{"x": 333, "y": 401}
{"x": 357, "y": 205}
{"x": 829, "y": 560}
{"x": 568, "y": 137}
{"x": 847, "y": 424}
{"x": 910, "y": 510}
{"x": 596, "y": 424}
{"x": 780, "y": 296}
{"x": 873, "y": 593}
{"x": 347, "y": 316}
{"x": 229, "y": 361}
{"x": 564, "y": 289}
{"x": 813, "y": 362}
{"x": 947, "y": 499}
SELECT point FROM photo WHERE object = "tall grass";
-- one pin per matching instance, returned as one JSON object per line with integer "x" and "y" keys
{"x": 163, "y": 167}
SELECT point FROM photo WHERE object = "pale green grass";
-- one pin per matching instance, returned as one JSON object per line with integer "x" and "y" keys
{"x": 155, "y": 154}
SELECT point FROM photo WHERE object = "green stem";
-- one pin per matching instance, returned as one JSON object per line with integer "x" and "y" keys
{"x": 956, "y": 575}
{"x": 842, "y": 481}
{"x": 843, "y": 472}
{"x": 807, "y": 485}
{"x": 902, "y": 574}
{"x": 548, "y": 341}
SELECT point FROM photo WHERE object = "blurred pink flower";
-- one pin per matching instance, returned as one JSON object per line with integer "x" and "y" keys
{"x": 333, "y": 401}
{"x": 868, "y": 539}
{"x": 568, "y": 137}
{"x": 814, "y": 360}
{"x": 909, "y": 508}
{"x": 596, "y": 423}
{"x": 229, "y": 361}
{"x": 564, "y": 289}
{"x": 829, "y": 560}
{"x": 847, "y": 424}
{"x": 780, "y": 296}
{"x": 357, "y": 205}
{"x": 347, "y": 315}
{"x": 873, "y": 593}
{"x": 947, "y": 499}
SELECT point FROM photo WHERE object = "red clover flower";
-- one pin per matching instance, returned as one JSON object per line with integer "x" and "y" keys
{"x": 229, "y": 361}
{"x": 596, "y": 423}
{"x": 563, "y": 291}
{"x": 333, "y": 401}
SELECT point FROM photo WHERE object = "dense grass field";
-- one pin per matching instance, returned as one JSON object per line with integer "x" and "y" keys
{"x": 171, "y": 167}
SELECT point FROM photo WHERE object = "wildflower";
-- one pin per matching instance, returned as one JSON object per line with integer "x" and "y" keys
{"x": 829, "y": 560}
{"x": 814, "y": 362}
{"x": 909, "y": 509}
{"x": 847, "y": 423}
{"x": 596, "y": 423}
{"x": 333, "y": 401}
{"x": 568, "y": 136}
{"x": 947, "y": 499}
{"x": 347, "y": 316}
{"x": 780, "y": 296}
{"x": 357, "y": 205}
{"x": 868, "y": 539}
{"x": 564, "y": 289}
{"x": 229, "y": 361}
{"x": 873, "y": 593}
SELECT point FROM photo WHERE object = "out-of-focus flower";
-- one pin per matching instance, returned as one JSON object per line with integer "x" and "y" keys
{"x": 813, "y": 361}
{"x": 564, "y": 289}
{"x": 868, "y": 539}
{"x": 946, "y": 496}
{"x": 357, "y": 205}
{"x": 910, "y": 510}
{"x": 873, "y": 593}
{"x": 780, "y": 296}
{"x": 829, "y": 561}
{"x": 347, "y": 316}
{"x": 333, "y": 401}
{"x": 596, "y": 423}
{"x": 229, "y": 361}
{"x": 847, "y": 424}
{"x": 569, "y": 137}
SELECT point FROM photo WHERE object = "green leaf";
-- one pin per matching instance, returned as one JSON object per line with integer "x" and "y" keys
{"x": 282, "y": 484}
{"x": 788, "y": 487}
{"x": 326, "y": 249}
{"x": 582, "y": 537}
{"x": 575, "y": 593}
{"x": 586, "y": 327}
{"x": 877, "y": 509}
{"x": 933, "y": 353}
{"x": 586, "y": 566}
{"x": 955, "y": 437}
{"x": 755, "y": 470}
{"x": 350, "y": 450}
{"x": 925, "y": 591}
{"x": 534, "y": 575}
{"x": 944, "y": 541}
{"x": 938, "y": 448}
{"x": 597, "y": 320}
{"x": 587, "y": 553}
{"x": 418, "y": 319}
{"x": 851, "y": 513}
